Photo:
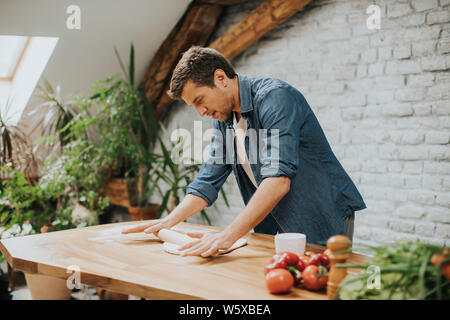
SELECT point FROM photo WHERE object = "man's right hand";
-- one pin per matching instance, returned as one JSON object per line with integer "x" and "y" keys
{"x": 153, "y": 226}
{"x": 190, "y": 205}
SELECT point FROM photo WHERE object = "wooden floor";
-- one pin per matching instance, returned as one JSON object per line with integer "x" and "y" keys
{"x": 144, "y": 269}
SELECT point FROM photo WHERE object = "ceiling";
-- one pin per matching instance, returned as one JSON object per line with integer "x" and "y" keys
{"x": 84, "y": 56}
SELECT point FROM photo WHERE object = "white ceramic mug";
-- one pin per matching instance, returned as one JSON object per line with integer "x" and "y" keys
{"x": 292, "y": 242}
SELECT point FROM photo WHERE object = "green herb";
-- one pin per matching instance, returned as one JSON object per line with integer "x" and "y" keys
{"x": 405, "y": 272}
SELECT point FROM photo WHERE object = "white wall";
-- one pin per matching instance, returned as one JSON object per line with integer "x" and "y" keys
{"x": 382, "y": 98}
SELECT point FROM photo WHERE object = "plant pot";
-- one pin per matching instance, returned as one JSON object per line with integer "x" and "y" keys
{"x": 138, "y": 213}
{"x": 117, "y": 190}
{"x": 47, "y": 288}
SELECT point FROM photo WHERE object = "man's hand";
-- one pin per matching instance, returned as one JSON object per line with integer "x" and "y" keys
{"x": 190, "y": 205}
{"x": 153, "y": 226}
{"x": 207, "y": 245}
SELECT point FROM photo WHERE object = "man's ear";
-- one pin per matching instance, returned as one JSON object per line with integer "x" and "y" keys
{"x": 220, "y": 77}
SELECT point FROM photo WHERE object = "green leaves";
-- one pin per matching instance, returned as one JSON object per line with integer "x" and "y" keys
{"x": 23, "y": 203}
{"x": 405, "y": 273}
{"x": 131, "y": 66}
{"x": 4, "y": 216}
{"x": 225, "y": 199}
{"x": 58, "y": 113}
{"x": 129, "y": 75}
{"x": 125, "y": 73}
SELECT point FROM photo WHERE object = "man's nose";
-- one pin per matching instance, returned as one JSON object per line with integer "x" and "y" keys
{"x": 202, "y": 111}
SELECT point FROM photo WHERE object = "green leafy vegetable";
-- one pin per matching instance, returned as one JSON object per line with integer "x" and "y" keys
{"x": 405, "y": 272}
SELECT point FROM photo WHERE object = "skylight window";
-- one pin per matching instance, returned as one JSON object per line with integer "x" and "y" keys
{"x": 13, "y": 49}
{"x": 22, "y": 61}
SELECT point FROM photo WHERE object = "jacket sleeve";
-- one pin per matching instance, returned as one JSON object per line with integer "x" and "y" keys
{"x": 280, "y": 116}
{"x": 214, "y": 170}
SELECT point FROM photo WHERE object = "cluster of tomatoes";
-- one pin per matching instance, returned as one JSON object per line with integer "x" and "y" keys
{"x": 286, "y": 269}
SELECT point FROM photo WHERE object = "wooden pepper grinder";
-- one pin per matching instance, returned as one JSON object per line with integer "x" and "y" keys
{"x": 336, "y": 275}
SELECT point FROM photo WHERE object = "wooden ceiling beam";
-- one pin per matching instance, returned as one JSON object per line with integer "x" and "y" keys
{"x": 266, "y": 17}
{"x": 194, "y": 28}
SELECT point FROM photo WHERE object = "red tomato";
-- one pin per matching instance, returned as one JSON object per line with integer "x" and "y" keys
{"x": 324, "y": 259}
{"x": 304, "y": 258}
{"x": 445, "y": 267}
{"x": 314, "y": 260}
{"x": 279, "y": 280}
{"x": 311, "y": 278}
{"x": 290, "y": 258}
{"x": 445, "y": 270}
{"x": 300, "y": 265}
{"x": 281, "y": 260}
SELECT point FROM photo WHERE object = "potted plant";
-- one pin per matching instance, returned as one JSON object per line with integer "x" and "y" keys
{"x": 128, "y": 132}
{"x": 39, "y": 208}
{"x": 58, "y": 113}
{"x": 77, "y": 172}
{"x": 28, "y": 209}
{"x": 76, "y": 179}
{"x": 26, "y": 206}
{"x": 141, "y": 208}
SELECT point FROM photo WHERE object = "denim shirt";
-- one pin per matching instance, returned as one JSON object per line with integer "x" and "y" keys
{"x": 321, "y": 194}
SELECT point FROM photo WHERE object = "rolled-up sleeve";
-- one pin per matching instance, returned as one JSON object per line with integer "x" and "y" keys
{"x": 280, "y": 116}
{"x": 214, "y": 170}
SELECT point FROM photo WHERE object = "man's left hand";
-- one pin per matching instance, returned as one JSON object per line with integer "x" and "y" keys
{"x": 208, "y": 244}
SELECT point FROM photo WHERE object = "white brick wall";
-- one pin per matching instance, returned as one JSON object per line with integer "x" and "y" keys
{"x": 382, "y": 97}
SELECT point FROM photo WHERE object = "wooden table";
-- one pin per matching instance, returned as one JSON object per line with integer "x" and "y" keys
{"x": 143, "y": 269}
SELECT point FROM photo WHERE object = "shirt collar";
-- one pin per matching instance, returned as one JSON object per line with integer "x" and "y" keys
{"x": 245, "y": 93}
{"x": 244, "y": 96}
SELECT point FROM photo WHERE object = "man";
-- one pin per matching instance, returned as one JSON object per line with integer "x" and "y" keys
{"x": 296, "y": 184}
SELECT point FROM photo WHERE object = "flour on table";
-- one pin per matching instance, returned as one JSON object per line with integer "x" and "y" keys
{"x": 115, "y": 234}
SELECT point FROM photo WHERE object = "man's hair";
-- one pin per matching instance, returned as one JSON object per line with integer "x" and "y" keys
{"x": 198, "y": 64}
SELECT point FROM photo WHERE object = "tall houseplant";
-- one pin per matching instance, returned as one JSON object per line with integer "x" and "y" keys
{"x": 77, "y": 173}
{"x": 73, "y": 177}
{"x": 132, "y": 131}
{"x": 136, "y": 135}
{"x": 58, "y": 113}
{"x": 129, "y": 132}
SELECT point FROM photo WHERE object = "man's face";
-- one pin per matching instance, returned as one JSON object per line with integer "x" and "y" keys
{"x": 216, "y": 102}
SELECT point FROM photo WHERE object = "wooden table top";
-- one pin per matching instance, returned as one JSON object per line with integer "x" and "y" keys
{"x": 144, "y": 269}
